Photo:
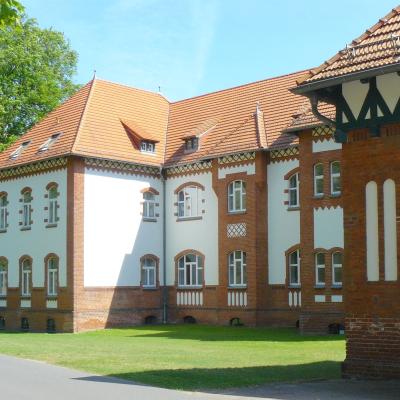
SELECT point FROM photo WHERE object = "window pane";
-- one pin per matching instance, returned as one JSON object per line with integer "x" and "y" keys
{"x": 181, "y": 209}
{"x": 293, "y": 258}
{"x": 337, "y": 258}
{"x": 320, "y": 259}
{"x": 237, "y": 200}
{"x": 230, "y": 203}
{"x": 338, "y": 275}
{"x": 231, "y": 274}
{"x": 336, "y": 185}
{"x": 293, "y": 181}
{"x": 152, "y": 277}
{"x": 293, "y": 197}
{"x": 294, "y": 278}
{"x": 321, "y": 275}
{"x": 188, "y": 278}
{"x": 243, "y": 201}
{"x": 181, "y": 277}
{"x": 230, "y": 188}
{"x": 200, "y": 276}
{"x": 319, "y": 186}
{"x": 238, "y": 184}
{"x": 190, "y": 258}
{"x": 335, "y": 167}
{"x": 319, "y": 169}
{"x": 238, "y": 272}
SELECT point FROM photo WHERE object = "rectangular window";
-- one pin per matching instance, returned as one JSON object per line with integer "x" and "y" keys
{"x": 237, "y": 196}
{"x": 52, "y": 277}
{"x": 191, "y": 144}
{"x": 26, "y": 209}
{"x": 294, "y": 190}
{"x": 320, "y": 269}
{"x": 318, "y": 180}
{"x": 147, "y": 147}
{"x": 337, "y": 269}
{"x": 3, "y": 213}
{"x": 149, "y": 272}
{"x": 237, "y": 269}
{"x": 3, "y": 280}
{"x": 190, "y": 270}
{"x": 188, "y": 202}
{"x": 149, "y": 205}
{"x": 336, "y": 185}
{"x": 294, "y": 268}
{"x": 26, "y": 279}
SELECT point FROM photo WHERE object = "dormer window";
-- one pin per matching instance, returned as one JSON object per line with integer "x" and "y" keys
{"x": 147, "y": 147}
{"x": 191, "y": 144}
{"x": 46, "y": 145}
{"x": 16, "y": 153}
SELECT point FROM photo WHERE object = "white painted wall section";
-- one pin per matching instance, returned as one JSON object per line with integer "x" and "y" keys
{"x": 115, "y": 235}
{"x": 200, "y": 235}
{"x": 355, "y": 93}
{"x": 325, "y": 145}
{"x": 390, "y": 230}
{"x": 389, "y": 87}
{"x": 250, "y": 169}
{"x": 371, "y": 205}
{"x": 328, "y": 228}
{"x": 39, "y": 241}
{"x": 283, "y": 225}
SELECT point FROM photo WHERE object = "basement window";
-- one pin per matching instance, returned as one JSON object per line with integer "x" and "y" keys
{"x": 16, "y": 153}
{"x": 147, "y": 147}
{"x": 49, "y": 142}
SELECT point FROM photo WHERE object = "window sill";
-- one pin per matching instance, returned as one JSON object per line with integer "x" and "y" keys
{"x": 25, "y": 228}
{"x": 51, "y": 226}
{"x": 237, "y": 212}
{"x": 149, "y": 288}
{"x": 182, "y": 219}
{"x": 196, "y": 287}
{"x": 147, "y": 219}
{"x": 294, "y": 286}
{"x": 51, "y": 297}
{"x": 293, "y": 208}
{"x": 335, "y": 195}
{"x": 237, "y": 287}
{"x": 26, "y": 296}
{"x": 336, "y": 286}
{"x": 318, "y": 196}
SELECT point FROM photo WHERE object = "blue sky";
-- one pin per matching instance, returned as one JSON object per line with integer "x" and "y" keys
{"x": 190, "y": 47}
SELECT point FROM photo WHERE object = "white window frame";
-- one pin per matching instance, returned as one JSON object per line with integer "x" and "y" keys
{"x": 337, "y": 266}
{"x": 147, "y": 147}
{"x": 318, "y": 267}
{"x": 52, "y": 217}
{"x": 188, "y": 202}
{"x": 295, "y": 189}
{"x": 294, "y": 265}
{"x": 26, "y": 278}
{"x": 335, "y": 175}
{"x": 237, "y": 193}
{"x": 237, "y": 266}
{"x": 16, "y": 153}
{"x": 317, "y": 178}
{"x": 26, "y": 209}
{"x": 3, "y": 212}
{"x": 49, "y": 142}
{"x": 149, "y": 269}
{"x": 191, "y": 144}
{"x": 3, "y": 278}
{"x": 52, "y": 276}
{"x": 149, "y": 205}
{"x": 192, "y": 272}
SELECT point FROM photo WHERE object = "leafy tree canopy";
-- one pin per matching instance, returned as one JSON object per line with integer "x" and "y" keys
{"x": 10, "y": 12}
{"x": 36, "y": 70}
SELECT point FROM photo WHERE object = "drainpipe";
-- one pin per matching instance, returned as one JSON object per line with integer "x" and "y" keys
{"x": 164, "y": 289}
{"x": 314, "y": 108}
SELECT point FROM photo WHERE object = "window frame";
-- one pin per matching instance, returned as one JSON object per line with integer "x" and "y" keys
{"x": 26, "y": 209}
{"x": 233, "y": 193}
{"x": 146, "y": 269}
{"x": 318, "y": 266}
{"x": 186, "y": 266}
{"x": 52, "y": 206}
{"x": 234, "y": 263}
{"x": 52, "y": 275}
{"x": 26, "y": 277}
{"x": 191, "y": 144}
{"x": 298, "y": 267}
{"x": 188, "y": 201}
{"x": 149, "y": 204}
{"x": 336, "y": 175}
{"x": 3, "y": 276}
{"x": 3, "y": 212}
{"x": 337, "y": 266}
{"x": 318, "y": 177}
{"x": 295, "y": 189}
{"x": 147, "y": 146}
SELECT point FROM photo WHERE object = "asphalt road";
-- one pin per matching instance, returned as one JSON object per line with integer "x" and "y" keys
{"x": 25, "y": 379}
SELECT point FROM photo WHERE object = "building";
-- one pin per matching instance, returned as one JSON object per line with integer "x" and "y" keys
{"x": 362, "y": 83}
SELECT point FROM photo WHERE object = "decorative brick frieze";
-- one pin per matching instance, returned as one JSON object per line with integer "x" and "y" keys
{"x": 288, "y": 153}
{"x": 234, "y": 158}
{"x": 192, "y": 168}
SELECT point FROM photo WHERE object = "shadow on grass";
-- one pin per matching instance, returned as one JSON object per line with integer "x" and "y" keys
{"x": 218, "y": 333}
{"x": 224, "y": 378}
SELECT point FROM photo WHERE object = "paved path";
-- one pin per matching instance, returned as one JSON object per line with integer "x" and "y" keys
{"x": 24, "y": 379}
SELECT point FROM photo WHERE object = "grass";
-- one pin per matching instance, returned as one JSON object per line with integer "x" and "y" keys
{"x": 187, "y": 356}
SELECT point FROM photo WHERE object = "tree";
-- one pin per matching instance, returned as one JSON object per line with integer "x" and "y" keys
{"x": 36, "y": 70}
{"x": 10, "y": 12}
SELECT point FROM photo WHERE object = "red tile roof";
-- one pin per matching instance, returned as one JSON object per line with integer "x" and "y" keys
{"x": 378, "y": 47}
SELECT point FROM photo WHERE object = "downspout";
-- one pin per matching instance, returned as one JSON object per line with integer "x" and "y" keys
{"x": 164, "y": 289}
{"x": 314, "y": 108}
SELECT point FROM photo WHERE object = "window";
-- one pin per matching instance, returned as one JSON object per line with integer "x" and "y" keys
{"x": 16, "y": 153}
{"x": 318, "y": 180}
{"x": 52, "y": 276}
{"x": 46, "y": 145}
{"x": 237, "y": 268}
{"x": 52, "y": 194}
{"x": 3, "y": 277}
{"x": 294, "y": 268}
{"x": 3, "y": 212}
{"x": 320, "y": 269}
{"x": 337, "y": 268}
{"x": 188, "y": 202}
{"x": 149, "y": 205}
{"x": 237, "y": 196}
{"x": 147, "y": 147}
{"x": 336, "y": 186}
{"x": 26, "y": 278}
{"x": 148, "y": 272}
{"x": 190, "y": 270}
{"x": 26, "y": 209}
{"x": 191, "y": 144}
{"x": 294, "y": 190}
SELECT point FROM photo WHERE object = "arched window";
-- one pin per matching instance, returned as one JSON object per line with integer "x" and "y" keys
{"x": 294, "y": 190}
{"x": 3, "y": 276}
{"x": 149, "y": 271}
{"x": 3, "y": 211}
{"x": 26, "y": 210}
{"x": 294, "y": 268}
{"x": 26, "y": 277}
{"x": 52, "y": 194}
{"x": 237, "y": 268}
{"x": 190, "y": 270}
{"x": 336, "y": 185}
{"x": 237, "y": 196}
{"x": 337, "y": 264}
{"x": 318, "y": 180}
{"x": 52, "y": 275}
{"x": 149, "y": 205}
{"x": 188, "y": 202}
{"x": 320, "y": 269}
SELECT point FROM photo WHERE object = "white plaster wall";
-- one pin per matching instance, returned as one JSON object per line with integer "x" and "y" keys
{"x": 200, "y": 235}
{"x": 250, "y": 169}
{"x": 39, "y": 241}
{"x": 115, "y": 237}
{"x": 354, "y": 93}
{"x": 283, "y": 225}
{"x": 328, "y": 227}
{"x": 325, "y": 145}
{"x": 389, "y": 87}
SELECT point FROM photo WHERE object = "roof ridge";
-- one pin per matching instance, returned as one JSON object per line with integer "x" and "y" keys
{"x": 74, "y": 144}
{"x": 367, "y": 33}
{"x": 242, "y": 85}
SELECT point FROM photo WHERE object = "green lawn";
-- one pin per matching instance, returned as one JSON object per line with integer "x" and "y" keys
{"x": 187, "y": 356}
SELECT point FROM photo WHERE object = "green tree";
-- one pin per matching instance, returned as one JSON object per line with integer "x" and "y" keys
{"x": 10, "y": 12}
{"x": 36, "y": 70}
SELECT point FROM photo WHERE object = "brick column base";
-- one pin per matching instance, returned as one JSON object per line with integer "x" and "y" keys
{"x": 319, "y": 322}
{"x": 370, "y": 370}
